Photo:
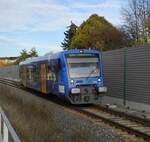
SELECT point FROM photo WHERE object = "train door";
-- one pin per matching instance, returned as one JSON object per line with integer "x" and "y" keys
{"x": 43, "y": 78}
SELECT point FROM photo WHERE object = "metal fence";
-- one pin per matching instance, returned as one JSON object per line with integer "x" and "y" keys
{"x": 127, "y": 74}
{"x": 7, "y": 133}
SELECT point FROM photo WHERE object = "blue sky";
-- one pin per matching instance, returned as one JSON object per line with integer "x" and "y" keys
{"x": 41, "y": 23}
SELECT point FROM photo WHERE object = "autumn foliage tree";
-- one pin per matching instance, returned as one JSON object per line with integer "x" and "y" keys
{"x": 97, "y": 33}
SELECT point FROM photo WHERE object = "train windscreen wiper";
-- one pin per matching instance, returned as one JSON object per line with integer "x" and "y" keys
{"x": 90, "y": 73}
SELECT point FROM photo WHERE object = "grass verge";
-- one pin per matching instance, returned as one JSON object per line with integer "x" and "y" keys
{"x": 32, "y": 117}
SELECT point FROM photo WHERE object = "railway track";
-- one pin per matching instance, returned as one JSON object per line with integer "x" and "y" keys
{"x": 11, "y": 83}
{"x": 132, "y": 124}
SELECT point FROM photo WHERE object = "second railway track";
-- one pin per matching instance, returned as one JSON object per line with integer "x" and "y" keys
{"x": 132, "y": 124}
{"x": 129, "y": 123}
{"x": 10, "y": 82}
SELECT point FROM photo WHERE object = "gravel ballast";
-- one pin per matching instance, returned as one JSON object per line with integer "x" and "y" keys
{"x": 47, "y": 121}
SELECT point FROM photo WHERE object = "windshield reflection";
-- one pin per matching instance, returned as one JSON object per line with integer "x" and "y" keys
{"x": 83, "y": 67}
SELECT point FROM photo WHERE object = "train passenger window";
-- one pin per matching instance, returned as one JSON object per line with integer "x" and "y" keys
{"x": 22, "y": 72}
{"x": 54, "y": 77}
{"x": 35, "y": 74}
{"x": 29, "y": 73}
{"x": 51, "y": 75}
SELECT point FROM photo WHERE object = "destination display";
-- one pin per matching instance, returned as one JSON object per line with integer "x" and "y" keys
{"x": 81, "y": 55}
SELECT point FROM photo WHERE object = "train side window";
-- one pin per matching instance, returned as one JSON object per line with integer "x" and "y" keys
{"x": 35, "y": 74}
{"x": 32, "y": 74}
{"x": 54, "y": 77}
{"x": 24, "y": 72}
{"x": 21, "y": 72}
{"x": 51, "y": 75}
{"x": 29, "y": 73}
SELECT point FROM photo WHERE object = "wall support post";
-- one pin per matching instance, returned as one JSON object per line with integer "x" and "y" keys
{"x": 125, "y": 76}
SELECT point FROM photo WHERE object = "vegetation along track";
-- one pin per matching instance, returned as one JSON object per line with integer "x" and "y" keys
{"x": 132, "y": 124}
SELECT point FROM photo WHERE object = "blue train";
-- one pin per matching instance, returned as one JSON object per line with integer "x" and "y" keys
{"x": 73, "y": 75}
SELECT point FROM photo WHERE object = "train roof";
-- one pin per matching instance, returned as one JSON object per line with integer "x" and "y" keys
{"x": 49, "y": 56}
{"x": 41, "y": 58}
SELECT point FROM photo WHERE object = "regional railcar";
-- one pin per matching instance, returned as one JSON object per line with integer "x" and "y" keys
{"x": 73, "y": 75}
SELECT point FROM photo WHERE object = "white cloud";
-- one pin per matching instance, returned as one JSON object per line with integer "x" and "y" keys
{"x": 38, "y": 15}
{"x": 105, "y": 4}
{"x": 19, "y": 45}
{"x": 26, "y": 15}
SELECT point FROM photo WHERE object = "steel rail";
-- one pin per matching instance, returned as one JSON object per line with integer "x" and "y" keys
{"x": 11, "y": 83}
{"x": 128, "y": 126}
{"x": 127, "y": 115}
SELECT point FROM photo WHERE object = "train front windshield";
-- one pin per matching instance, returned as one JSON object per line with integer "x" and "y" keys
{"x": 83, "y": 66}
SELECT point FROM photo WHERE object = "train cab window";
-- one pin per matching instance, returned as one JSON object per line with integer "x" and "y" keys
{"x": 84, "y": 66}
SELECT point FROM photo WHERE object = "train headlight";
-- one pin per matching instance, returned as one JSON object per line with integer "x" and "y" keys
{"x": 99, "y": 80}
{"x": 71, "y": 81}
{"x": 75, "y": 90}
{"x": 102, "y": 89}
{"x": 81, "y": 51}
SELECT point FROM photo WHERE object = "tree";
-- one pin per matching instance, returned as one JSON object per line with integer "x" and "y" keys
{"x": 33, "y": 53}
{"x": 97, "y": 33}
{"x": 69, "y": 34}
{"x": 126, "y": 37}
{"x": 148, "y": 26}
{"x": 24, "y": 55}
{"x": 135, "y": 16}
